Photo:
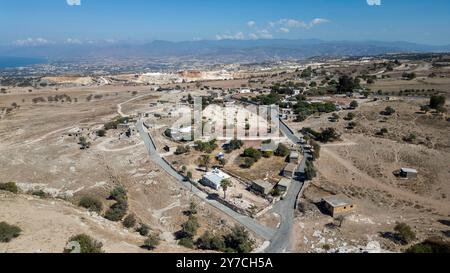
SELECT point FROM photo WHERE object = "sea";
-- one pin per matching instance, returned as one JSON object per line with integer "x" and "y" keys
{"x": 15, "y": 62}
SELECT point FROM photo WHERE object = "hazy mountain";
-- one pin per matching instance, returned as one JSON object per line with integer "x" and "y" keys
{"x": 220, "y": 50}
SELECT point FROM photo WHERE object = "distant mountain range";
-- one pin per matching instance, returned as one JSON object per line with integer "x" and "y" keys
{"x": 220, "y": 50}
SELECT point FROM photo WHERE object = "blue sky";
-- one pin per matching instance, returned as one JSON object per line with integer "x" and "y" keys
{"x": 25, "y": 22}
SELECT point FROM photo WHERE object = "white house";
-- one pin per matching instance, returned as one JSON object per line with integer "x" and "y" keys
{"x": 214, "y": 178}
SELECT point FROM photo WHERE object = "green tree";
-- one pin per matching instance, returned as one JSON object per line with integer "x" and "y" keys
{"x": 8, "y": 232}
{"x": 101, "y": 133}
{"x": 10, "y": 186}
{"x": 129, "y": 221}
{"x": 189, "y": 175}
{"x": 87, "y": 244}
{"x": 239, "y": 240}
{"x": 117, "y": 211}
{"x": 354, "y": 104}
{"x": 189, "y": 228}
{"x": 431, "y": 245}
{"x": 310, "y": 170}
{"x": 437, "y": 101}
{"x": 253, "y": 153}
{"x": 389, "y": 111}
{"x": 204, "y": 161}
{"x": 425, "y": 108}
{"x": 225, "y": 184}
{"x": 91, "y": 203}
{"x": 118, "y": 193}
{"x": 143, "y": 229}
{"x": 282, "y": 150}
{"x": 405, "y": 233}
{"x": 151, "y": 242}
{"x": 193, "y": 210}
{"x": 210, "y": 242}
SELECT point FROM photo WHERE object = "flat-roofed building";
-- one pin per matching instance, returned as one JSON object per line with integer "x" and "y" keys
{"x": 262, "y": 186}
{"x": 338, "y": 205}
{"x": 289, "y": 170}
{"x": 294, "y": 157}
{"x": 284, "y": 184}
{"x": 214, "y": 179}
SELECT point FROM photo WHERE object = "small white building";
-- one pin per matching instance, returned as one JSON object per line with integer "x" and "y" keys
{"x": 214, "y": 178}
{"x": 408, "y": 173}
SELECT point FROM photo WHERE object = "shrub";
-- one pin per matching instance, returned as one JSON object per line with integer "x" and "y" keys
{"x": 316, "y": 147}
{"x": 129, "y": 221}
{"x": 405, "y": 233}
{"x": 206, "y": 147}
{"x": 8, "y": 232}
{"x": 101, "y": 133}
{"x": 350, "y": 116}
{"x": 91, "y": 204}
{"x": 252, "y": 153}
{"x": 40, "y": 193}
{"x": 143, "y": 230}
{"x": 10, "y": 186}
{"x": 151, "y": 242}
{"x": 234, "y": 144}
{"x": 431, "y": 245}
{"x": 437, "y": 101}
{"x": 238, "y": 240}
{"x": 210, "y": 242}
{"x": 410, "y": 138}
{"x": 354, "y": 104}
{"x": 182, "y": 150}
{"x": 168, "y": 133}
{"x": 186, "y": 242}
{"x": 248, "y": 162}
{"x": 409, "y": 76}
{"x": 87, "y": 244}
{"x": 115, "y": 122}
{"x": 118, "y": 193}
{"x": 267, "y": 154}
{"x": 389, "y": 111}
{"x": 282, "y": 150}
{"x": 310, "y": 170}
{"x": 117, "y": 211}
{"x": 84, "y": 144}
{"x": 327, "y": 135}
{"x": 190, "y": 227}
{"x": 425, "y": 108}
{"x": 192, "y": 209}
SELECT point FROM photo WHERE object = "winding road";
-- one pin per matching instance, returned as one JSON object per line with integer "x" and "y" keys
{"x": 279, "y": 239}
{"x": 264, "y": 232}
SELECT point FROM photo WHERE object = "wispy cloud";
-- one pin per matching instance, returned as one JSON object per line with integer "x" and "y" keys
{"x": 73, "y": 41}
{"x": 374, "y": 2}
{"x": 73, "y": 2}
{"x": 228, "y": 36}
{"x": 32, "y": 42}
{"x": 280, "y": 26}
{"x": 293, "y": 23}
{"x": 261, "y": 34}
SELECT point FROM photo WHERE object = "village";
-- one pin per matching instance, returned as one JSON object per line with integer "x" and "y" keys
{"x": 291, "y": 154}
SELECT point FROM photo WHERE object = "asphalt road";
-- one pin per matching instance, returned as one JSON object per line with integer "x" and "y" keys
{"x": 280, "y": 238}
{"x": 264, "y": 232}
{"x": 285, "y": 208}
